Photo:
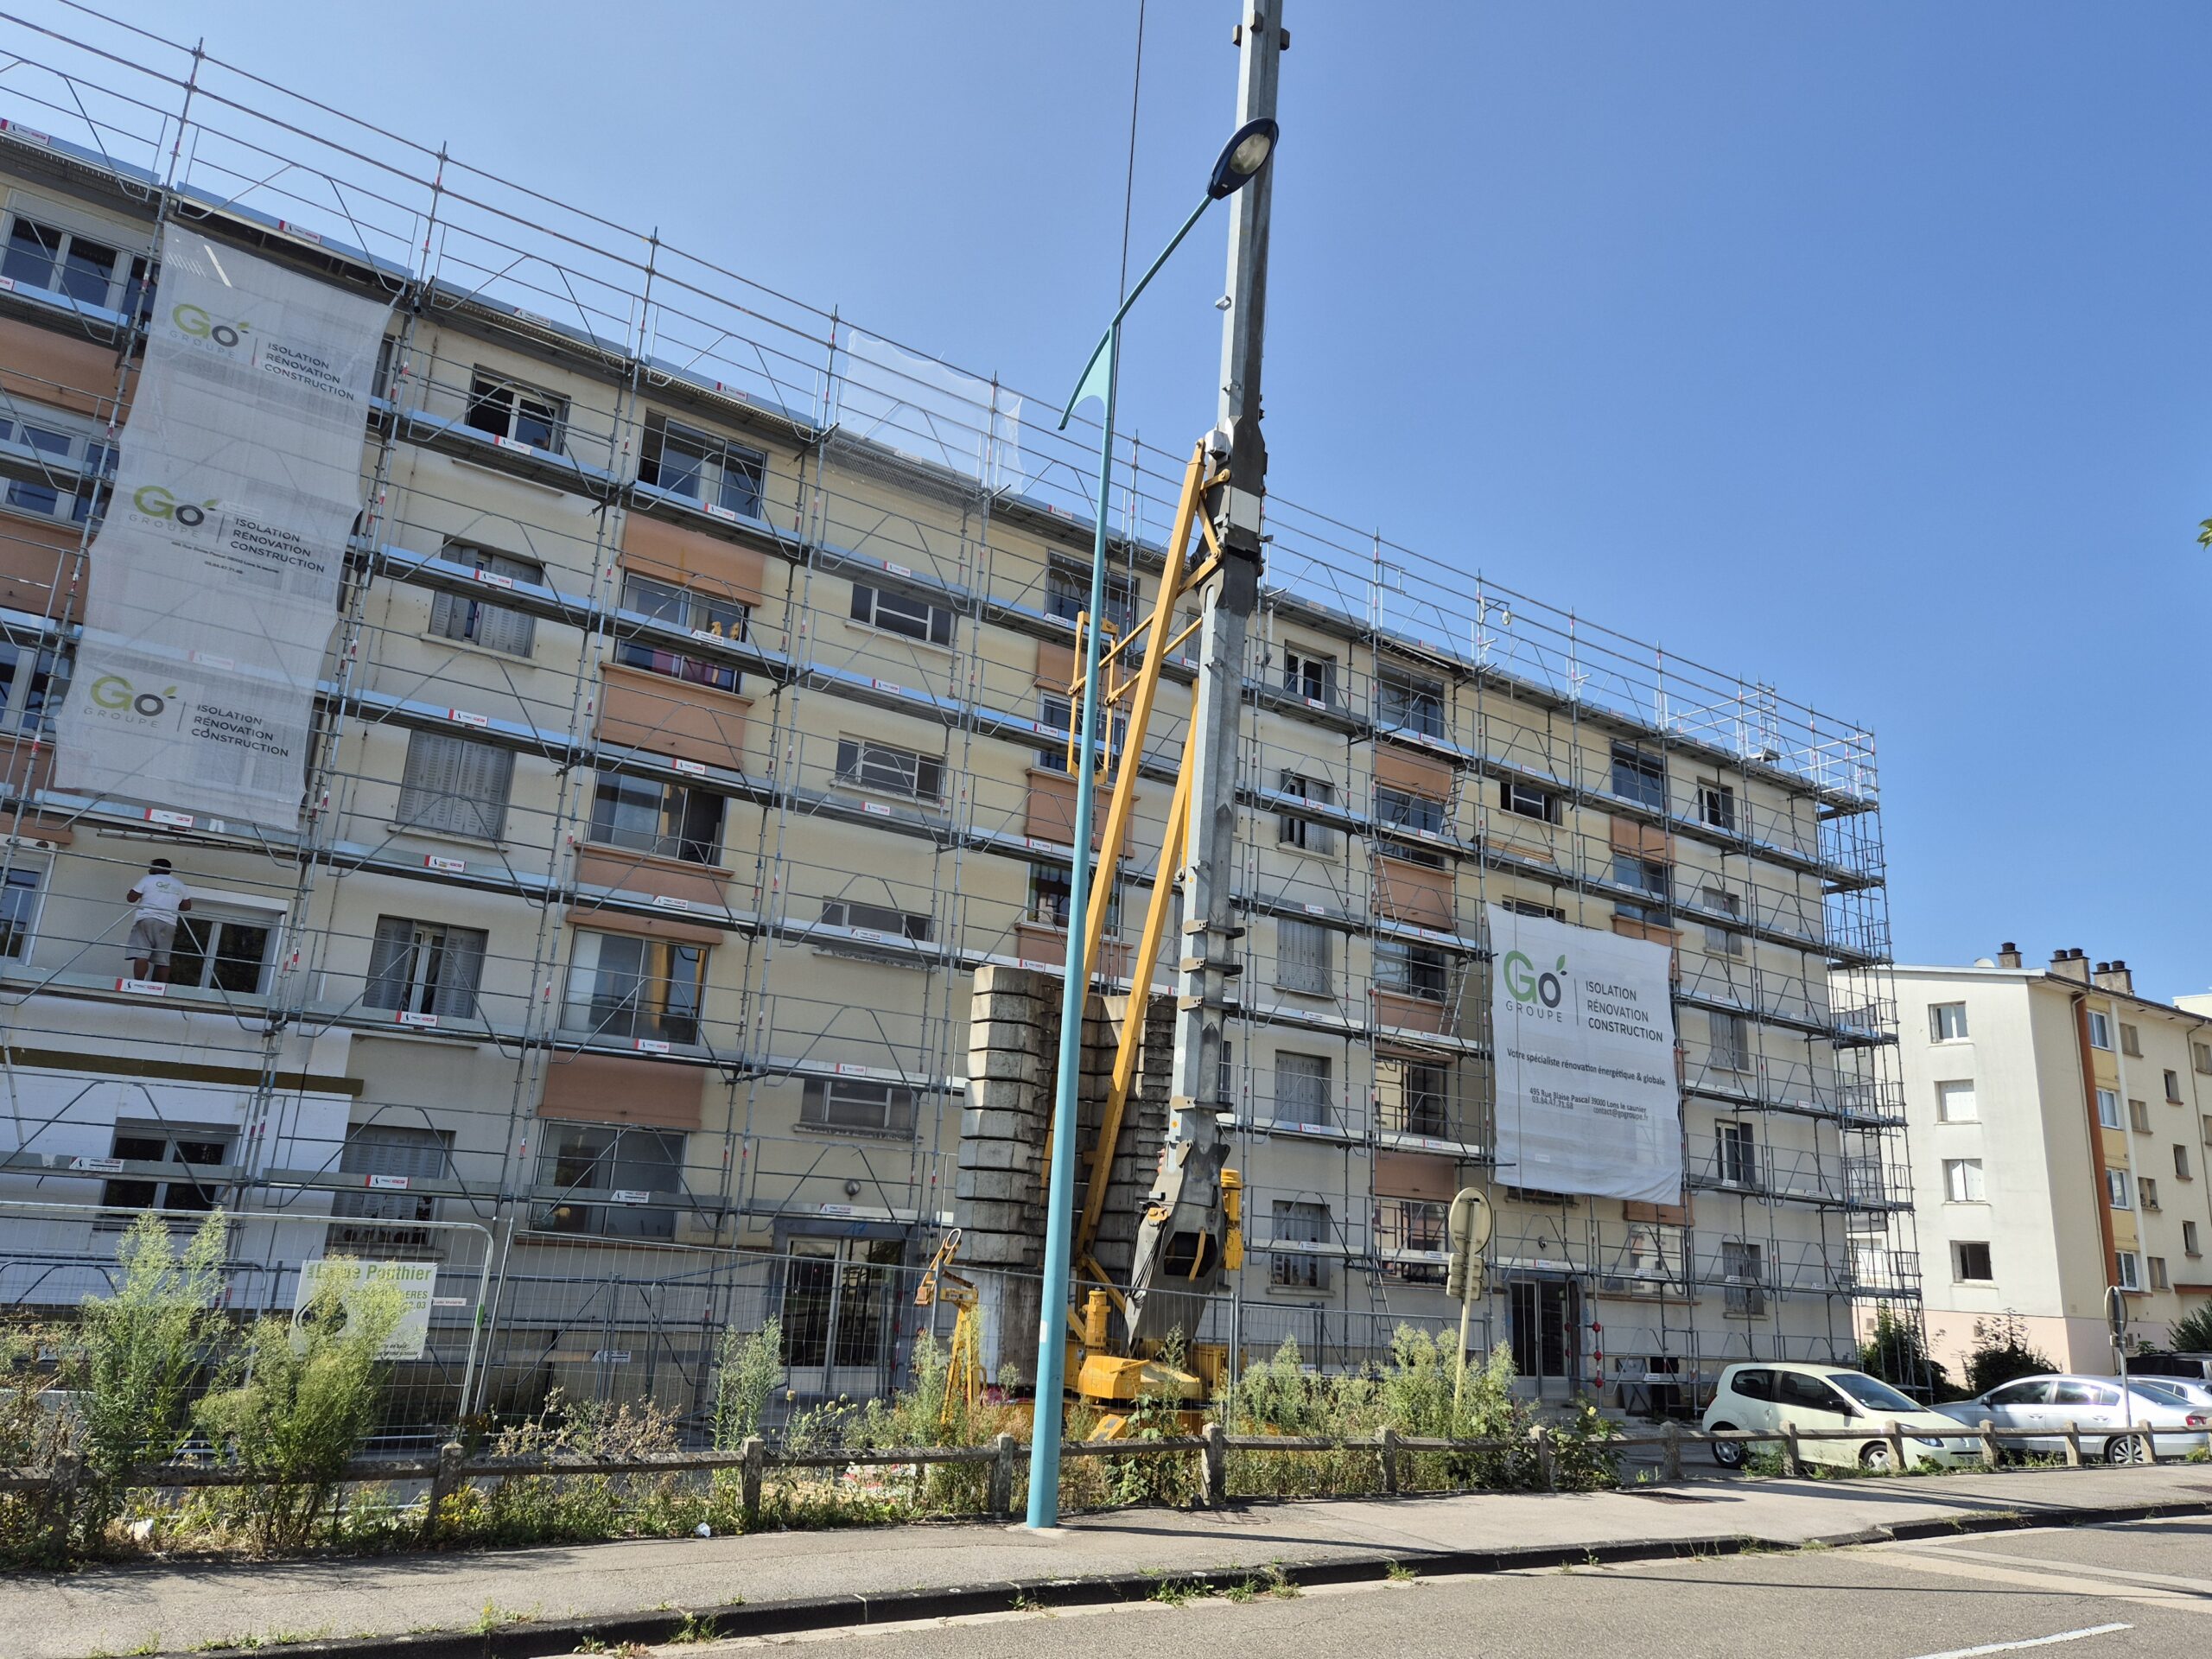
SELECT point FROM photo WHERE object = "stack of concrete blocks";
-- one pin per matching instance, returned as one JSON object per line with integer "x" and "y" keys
{"x": 1144, "y": 1130}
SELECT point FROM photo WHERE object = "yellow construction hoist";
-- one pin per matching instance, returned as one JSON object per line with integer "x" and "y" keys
{"x": 963, "y": 1371}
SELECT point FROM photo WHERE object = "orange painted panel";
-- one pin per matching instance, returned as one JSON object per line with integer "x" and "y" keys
{"x": 1415, "y": 1175}
{"x": 608, "y": 1088}
{"x": 1417, "y": 773}
{"x": 1414, "y": 892}
{"x": 55, "y": 369}
{"x": 675, "y": 717}
{"x": 667, "y": 552}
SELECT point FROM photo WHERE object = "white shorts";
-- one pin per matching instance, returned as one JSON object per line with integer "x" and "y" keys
{"x": 150, "y": 936}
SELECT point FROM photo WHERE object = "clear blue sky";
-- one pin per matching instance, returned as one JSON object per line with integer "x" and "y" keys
{"x": 1861, "y": 349}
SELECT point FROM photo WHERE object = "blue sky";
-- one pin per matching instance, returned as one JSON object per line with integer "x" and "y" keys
{"x": 1859, "y": 349}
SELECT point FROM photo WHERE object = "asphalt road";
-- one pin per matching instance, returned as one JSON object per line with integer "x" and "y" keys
{"x": 2098, "y": 1592}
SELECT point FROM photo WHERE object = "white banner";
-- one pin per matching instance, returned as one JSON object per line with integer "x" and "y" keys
{"x": 1583, "y": 1026}
{"x": 416, "y": 1281}
{"x": 215, "y": 575}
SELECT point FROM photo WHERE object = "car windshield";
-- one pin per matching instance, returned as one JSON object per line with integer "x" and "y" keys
{"x": 1869, "y": 1392}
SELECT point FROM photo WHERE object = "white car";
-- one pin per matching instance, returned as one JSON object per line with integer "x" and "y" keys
{"x": 1766, "y": 1396}
{"x": 2099, "y": 1408}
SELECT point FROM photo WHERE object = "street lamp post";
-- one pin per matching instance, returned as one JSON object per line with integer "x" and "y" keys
{"x": 1245, "y": 154}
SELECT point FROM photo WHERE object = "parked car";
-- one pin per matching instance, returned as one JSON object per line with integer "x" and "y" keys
{"x": 2100, "y": 1407}
{"x": 2182, "y": 1389}
{"x": 1772, "y": 1395}
{"x": 2193, "y": 1368}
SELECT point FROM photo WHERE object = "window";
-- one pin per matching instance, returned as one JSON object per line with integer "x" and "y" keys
{"x": 403, "y": 1155}
{"x": 620, "y": 985}
{"x": 875, "y": 918}
{"x": 55, "y": 261}
{"x": 1067, "y": 593}
{"x": 1530, "y": 907}
{"x": 2116, "y": 1189}
{"x": 2138, "y": 1117}
{"x": 1302, "y": 833}
{"x": 1309, "y": 676}
{"x": 1640, "y": 777}
{"x": 679, "y": 608}
{"x": 1730, "y": 1037}
{"x": 1527, "y": 801}
{"x": 2173, "y": 1087}
{"x": 464, "y": 616}
{"x": 1722, "y": 941}
{"x": 2201, "y": 1058}
{"x": 1299, "y": 1221}
{"x": 2100, "y": 1030}
{"x": 1645, "y": 876}
{"x": 1742, "y": 1271}
{"x": 2158, "y": 1264}
{"x": 700, "y": 466}
{"x": 1954, "y": 1103}
{"x": 1970, "y": 1260}
{"x": 19, "y": 897}
{"x": 520, "y": 413}
{"x": 1402, "y": 810}
{"x": 1302, "y": 957}
{"x": 583, "y": 1161}
{"x": 161, "y": 1143}
{"x": 1048, "y": 895}
{"x": 2109, "y": 1108}
{"x": 2189, "y": 1239}
{"x": 1420, "y": 970}
{"x": 1737, "y": 1160}
{"x": 914, "y": 619}
{"x": 223, "y": 949}
{"x": 1962, "y": 1181}
{"x": 853, "y": 1106}
{"x": 1413, "y": 1097}
{"x": 2071, "y": 1393}
{"x": 889, "y": 769}
{"x": 2130, "y": 1277}
{"x": 455, "y": 787}
{"x": 1057, "y": 713}
{"x": 2131, "y": 1042}
{"x": 1795, "y": 1389}
{"x": 2146, "y": 1193}
{"x": 1757, "y": 1384}
{"x": 75, "y": 459}
{"x": 1716, "y": 804}
{"x": 1410, "y": 1225}
{"x": 1405, "y": 701}
{"x": 667, "y": 820}
{"x": 2181, "y": 1162}
{"x": 1302, "y": 1090}
{"x": 431, "y": 968}
{"x": 1946, "y": 1022}
{"x": 27, "y": 698}
{"x": 2022, "y": 1394}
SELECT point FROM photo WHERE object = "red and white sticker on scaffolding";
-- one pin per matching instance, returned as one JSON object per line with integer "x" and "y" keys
{"x": 215, "y": 573}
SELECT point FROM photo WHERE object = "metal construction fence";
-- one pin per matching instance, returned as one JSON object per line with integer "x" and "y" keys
{"x": 506, "y": 1317}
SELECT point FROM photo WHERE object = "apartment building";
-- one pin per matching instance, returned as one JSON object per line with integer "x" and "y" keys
{"x": 2059, "y": 1124}
{"x": 693, "y": 726}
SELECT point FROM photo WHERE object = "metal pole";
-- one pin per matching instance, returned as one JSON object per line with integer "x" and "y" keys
{"x": 1459, "y": 1384}
{"x": 1052, "y": 1320}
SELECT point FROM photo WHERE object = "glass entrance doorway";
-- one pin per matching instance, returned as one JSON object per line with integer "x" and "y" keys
{"x": 839, "y": 1324}
{"x": 1547, "y": 1314}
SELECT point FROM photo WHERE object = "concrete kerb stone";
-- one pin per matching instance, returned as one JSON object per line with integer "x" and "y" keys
{"x": 539, "y": 1638}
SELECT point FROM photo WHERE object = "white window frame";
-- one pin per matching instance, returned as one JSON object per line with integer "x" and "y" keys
{"x": 823, "y": 1100}
{"x": 1946, "y": 1022}
{"x": 1303, "y": 834}
{"x": 859, "y": 916}
{"x": 2100, "y": 1030}
{"x": 730, "y": 476}
{"x": 1736, "y": 1155}
{"x": 1303, "y": 671}
{"x": 1948, "y": 1096}
{"x": 19, "y": 919}
{"x": 1959, "y": 1274}
{"x": 2130, "y": 1272}
{"x": 488, "y": 389}
{"x": 418, "y": 966}
{"x": 127, "y": 269}
{"x": 879, "y": 767}
{"x": 2109, "y": 1108}
{"x": 2119, "y": 1193}
{"x": 1716, "y": 804}
{"x": 245, "y": 909}
{"x": 886, "y": 610}
{"x": 1963, "y": 1181}
{"x": 1527, "y": 800}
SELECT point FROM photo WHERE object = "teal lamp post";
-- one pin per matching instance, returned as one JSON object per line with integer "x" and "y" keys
{"x": 1241, "y": 160}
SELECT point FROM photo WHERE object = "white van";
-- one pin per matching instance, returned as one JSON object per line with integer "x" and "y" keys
{"x": 1768, "y": 1395}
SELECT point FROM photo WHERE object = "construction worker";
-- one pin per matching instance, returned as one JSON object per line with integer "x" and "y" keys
{"x": 161, "y": 898}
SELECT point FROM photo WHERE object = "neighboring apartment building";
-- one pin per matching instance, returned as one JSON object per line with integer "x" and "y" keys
{"x": 2060, "y": 1125}
{"x": 689, "y": 746}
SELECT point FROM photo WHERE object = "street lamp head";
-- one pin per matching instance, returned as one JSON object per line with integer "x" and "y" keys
{"x": 1242, "y": 157}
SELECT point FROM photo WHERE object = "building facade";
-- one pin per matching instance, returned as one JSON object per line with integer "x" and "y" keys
{"x": 694, "y": 727}
{"x": 2060, "y": 1124}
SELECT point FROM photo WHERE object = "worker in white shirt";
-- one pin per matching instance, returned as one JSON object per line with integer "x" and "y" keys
{"x": 161, "y": 898}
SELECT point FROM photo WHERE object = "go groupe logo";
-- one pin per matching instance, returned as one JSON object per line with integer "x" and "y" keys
{"x": 196, "y": 324}
{"x": 157, "y": 503}
{"x": 1528, "y": 984}
{"x": 114, "y": 692}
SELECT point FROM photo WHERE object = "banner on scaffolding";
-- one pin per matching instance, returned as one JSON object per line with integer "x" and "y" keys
{"x": 333, "y": 1290}
{"x": 215, "y": 573}
{"x": 1582, "y": 1030}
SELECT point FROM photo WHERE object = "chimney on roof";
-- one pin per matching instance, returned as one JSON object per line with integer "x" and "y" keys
{"x": 2114, "y": 977}
{"x": 2069, "y": 964}
{"x": 2008, "y": 955}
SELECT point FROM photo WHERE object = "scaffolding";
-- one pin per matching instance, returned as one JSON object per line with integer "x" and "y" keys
{"x": 686, "y": 615}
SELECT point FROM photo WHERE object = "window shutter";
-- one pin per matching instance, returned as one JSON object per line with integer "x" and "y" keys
{"x": 483, "y": 776}
{"x": 391, "y": 963}
{"x": 460, "y": 973}
{"x": 430, "y": 782}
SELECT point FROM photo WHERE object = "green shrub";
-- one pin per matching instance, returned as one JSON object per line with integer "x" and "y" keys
{"x": 746, "y": 1369}
{"x": 303, "y": 1400}
{"x": 139, "y": 1358}
{"x": 1898, "y": 1354}
{"x": 2002, "y": 1352}
{"x": 2192, "y": 1333}
{"x": 32, "y": 1435}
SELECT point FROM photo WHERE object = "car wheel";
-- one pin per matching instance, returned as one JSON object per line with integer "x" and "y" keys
{"x": 1875, "y": 1458}
{"x": 2124, "y": 1448}
{"x": 1729, "y": 1454}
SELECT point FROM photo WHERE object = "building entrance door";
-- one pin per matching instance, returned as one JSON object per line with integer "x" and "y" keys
{"x": 1546, "y": 1349}
{"x": 840, "y": 1328}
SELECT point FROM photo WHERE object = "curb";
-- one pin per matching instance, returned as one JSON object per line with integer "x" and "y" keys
{"x": 536, "y": 1639}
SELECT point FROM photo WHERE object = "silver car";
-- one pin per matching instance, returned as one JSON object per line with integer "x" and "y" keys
{"x": 2101, "y": 1409}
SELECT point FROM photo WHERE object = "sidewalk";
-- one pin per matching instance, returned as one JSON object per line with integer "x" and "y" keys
{"x": 792, "y": 1580}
